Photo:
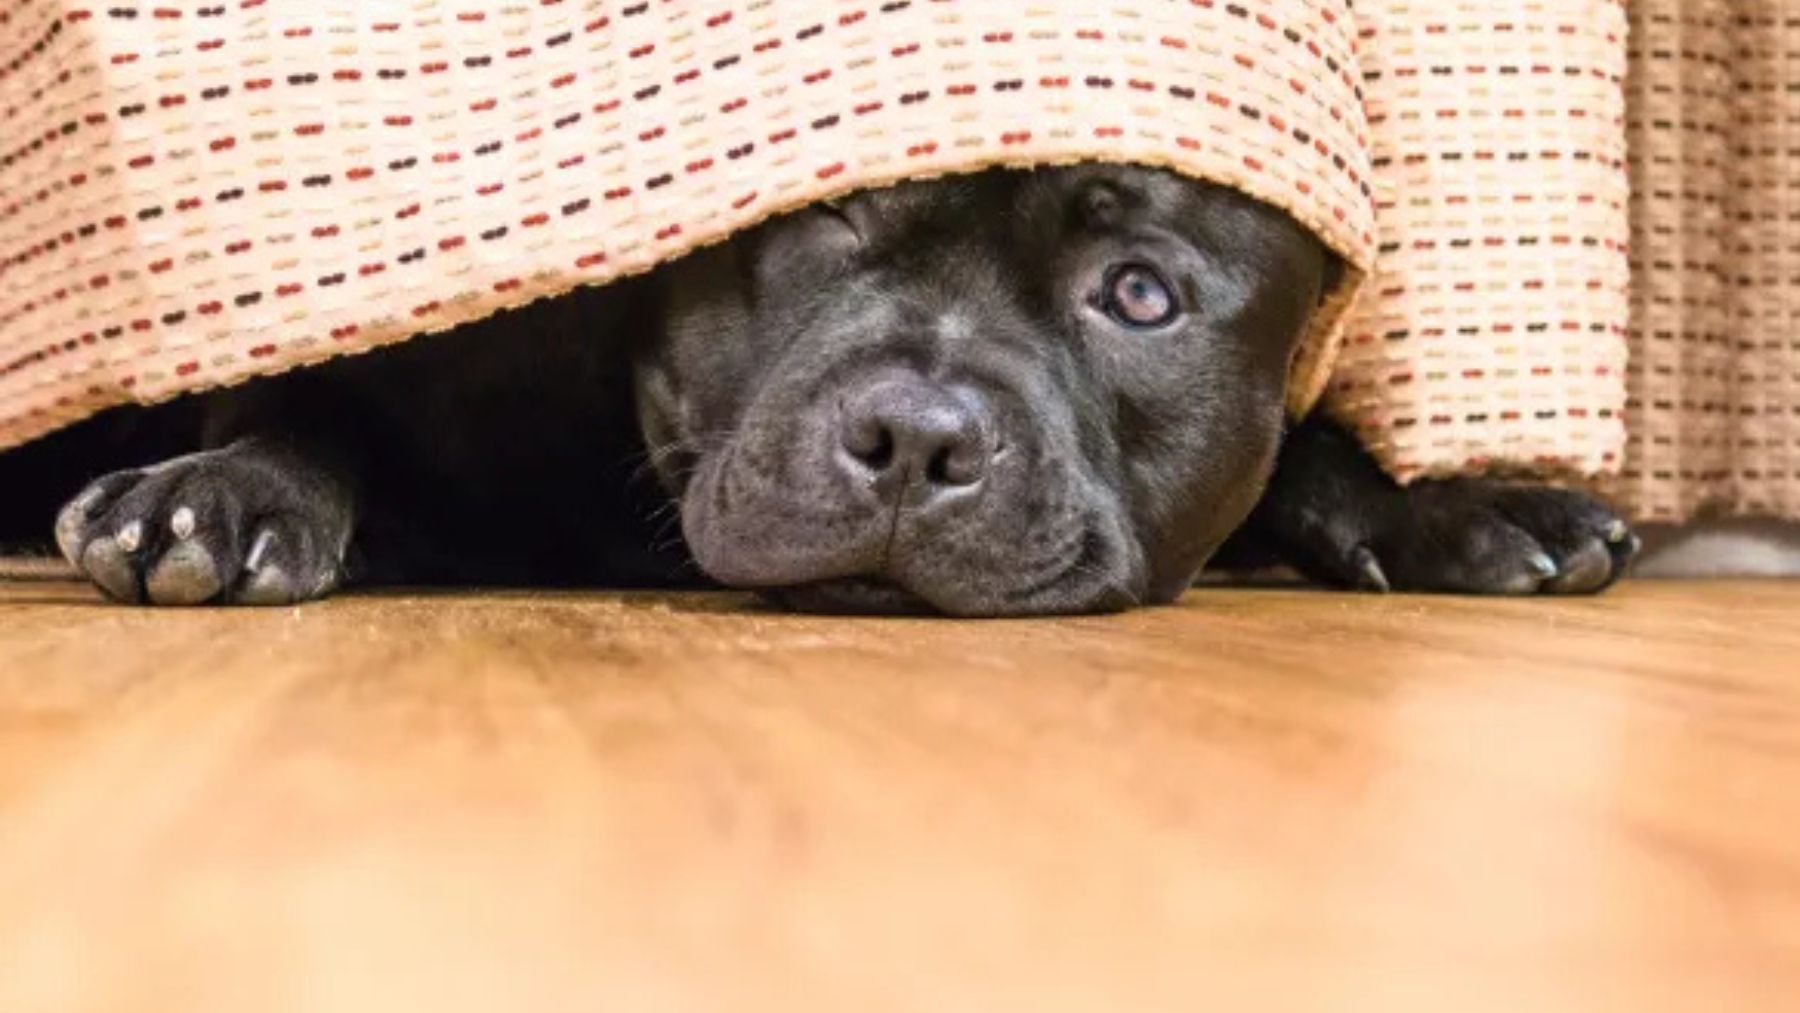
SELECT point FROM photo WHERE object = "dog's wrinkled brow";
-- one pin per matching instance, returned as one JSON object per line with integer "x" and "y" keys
{"x": 947, "y": 202}
{"x": 1100, "y": 203}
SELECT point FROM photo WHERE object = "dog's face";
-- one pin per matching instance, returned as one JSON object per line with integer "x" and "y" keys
{"x": 1011, "y": 393}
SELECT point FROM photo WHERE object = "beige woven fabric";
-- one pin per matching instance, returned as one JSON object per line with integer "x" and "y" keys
{"x": 1715, "y": 373}
{"x": 1493, "y": 335}
{"x": 194, "y": 193}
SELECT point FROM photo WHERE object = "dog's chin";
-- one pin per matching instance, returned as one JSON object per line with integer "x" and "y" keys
{"x": 868, "y": 596}
{"x": 851, "y": 596}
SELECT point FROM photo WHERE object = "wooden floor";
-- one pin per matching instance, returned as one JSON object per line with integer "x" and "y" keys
{"x": 1256, "y": 800}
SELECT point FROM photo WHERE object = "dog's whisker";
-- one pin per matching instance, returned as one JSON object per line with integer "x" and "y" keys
{"x": 664, "y": 513}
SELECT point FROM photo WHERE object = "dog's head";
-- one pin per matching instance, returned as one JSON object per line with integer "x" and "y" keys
{"x": 1010, "y": 393}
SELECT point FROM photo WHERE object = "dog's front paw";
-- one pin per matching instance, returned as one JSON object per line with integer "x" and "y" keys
{"x": 1476, "y": 537}
{"x": 241, "y": 525}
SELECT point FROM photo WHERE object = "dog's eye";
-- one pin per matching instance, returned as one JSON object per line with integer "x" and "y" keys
{"x": 835, "y": 210}
{"x": 835, "y": 227}
{"x": 1137, "y": 297}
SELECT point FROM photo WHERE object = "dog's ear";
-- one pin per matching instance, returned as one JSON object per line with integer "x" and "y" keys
{"x": 1333, "y": 276}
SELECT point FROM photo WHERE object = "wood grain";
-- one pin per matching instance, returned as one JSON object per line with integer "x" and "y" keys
{"x": 1255, "y": 800}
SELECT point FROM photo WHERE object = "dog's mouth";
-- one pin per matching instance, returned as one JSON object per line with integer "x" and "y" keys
{"x": 1084, "y": 584}
{"x": 808, "y": 548}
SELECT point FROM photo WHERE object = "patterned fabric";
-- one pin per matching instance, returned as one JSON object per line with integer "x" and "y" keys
{"x": 195, "y": 193}
{"x": 1492, "y": 337}
{"x": 191, "y": 194}
{"x": 1714, "y": 121}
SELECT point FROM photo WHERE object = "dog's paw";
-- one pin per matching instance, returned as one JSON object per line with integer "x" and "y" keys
{"x": 231, "y": 526}
{"x": 1477, "y": 537}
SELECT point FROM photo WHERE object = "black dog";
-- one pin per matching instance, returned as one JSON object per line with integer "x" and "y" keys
{"x": 1012, "y": 393}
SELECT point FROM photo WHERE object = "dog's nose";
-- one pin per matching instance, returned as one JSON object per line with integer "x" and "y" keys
{"x": 899, "y": 432}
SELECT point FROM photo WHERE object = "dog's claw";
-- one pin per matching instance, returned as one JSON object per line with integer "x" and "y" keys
{"x": 181, "y": 523}
{"x": 258, "y": 549}
{"x": 1369, "y": 569}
